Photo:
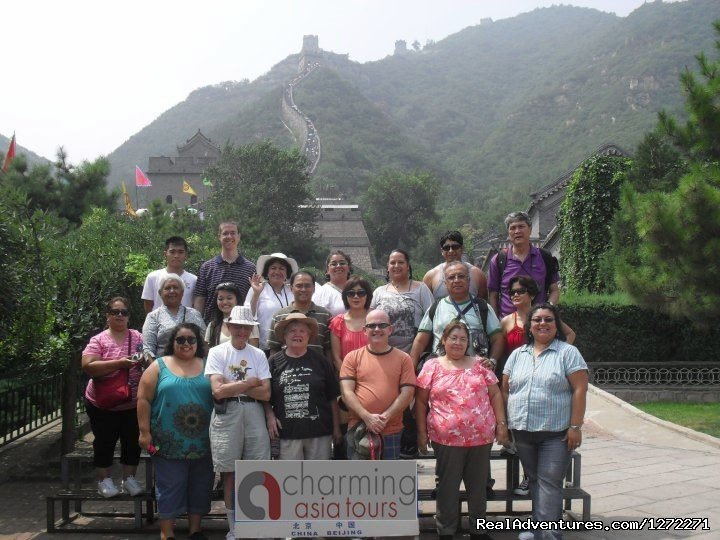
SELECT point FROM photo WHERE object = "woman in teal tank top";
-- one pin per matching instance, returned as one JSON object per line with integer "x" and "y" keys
{"x": 174, "y": 406}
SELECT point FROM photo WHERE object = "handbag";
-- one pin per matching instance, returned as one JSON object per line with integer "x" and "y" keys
{"x": 113, "y": 390}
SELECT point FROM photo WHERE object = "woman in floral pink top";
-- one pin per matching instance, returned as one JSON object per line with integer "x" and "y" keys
{"x": 459, "y": 408}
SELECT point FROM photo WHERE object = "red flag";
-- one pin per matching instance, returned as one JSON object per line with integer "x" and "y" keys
{"x": 140, "y": 179}
{"x": 10, "y": 155}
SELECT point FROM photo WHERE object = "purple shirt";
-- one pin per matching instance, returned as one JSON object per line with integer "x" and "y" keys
{"x": 216, "y": 271}
{"x": 532, "y": 266}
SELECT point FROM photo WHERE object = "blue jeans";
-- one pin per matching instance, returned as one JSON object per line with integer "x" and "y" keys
{"x": 545, "y": 458}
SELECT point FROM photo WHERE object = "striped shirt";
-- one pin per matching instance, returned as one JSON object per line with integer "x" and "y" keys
{"x": 320, "y": 314}
{"x": 540, "y": 393}
{"x": 216, "y": 271}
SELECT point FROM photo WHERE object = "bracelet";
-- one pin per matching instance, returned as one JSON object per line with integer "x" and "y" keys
{"x": 493, "y": 361}
{"x": 502, "y": 423}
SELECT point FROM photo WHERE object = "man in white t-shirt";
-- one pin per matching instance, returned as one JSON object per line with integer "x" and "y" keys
{"x": 176, "y": 253}
{"x": 240, "y": 377}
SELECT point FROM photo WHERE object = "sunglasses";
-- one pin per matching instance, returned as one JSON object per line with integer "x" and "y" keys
{"x": 518, "y": 292}
{"x": 121, "y": 312}
{"x": 375, "y": 326}
{"x": 362, "y": 293}
{"x": 182, "y": 340}
{"x": 546, "y": 320}
{"x": 451, "y": 247}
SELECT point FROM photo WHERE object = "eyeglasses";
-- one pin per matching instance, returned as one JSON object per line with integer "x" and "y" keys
{"x": 361, "y": 293}
{"x": 546, "y": 320}
{"x": 338, "y": 263}
{"x": 451, "y": 247}
{"x": 121, "y": 312}
{"x": 518, "y": 292}
{"x": 182, "y": 340}
{"x": 375, "y": 326}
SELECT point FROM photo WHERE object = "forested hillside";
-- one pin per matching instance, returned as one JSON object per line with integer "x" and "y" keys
{"x": 495, "y": 110}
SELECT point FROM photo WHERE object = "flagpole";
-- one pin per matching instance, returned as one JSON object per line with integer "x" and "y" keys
{"x": 137, "y": 201}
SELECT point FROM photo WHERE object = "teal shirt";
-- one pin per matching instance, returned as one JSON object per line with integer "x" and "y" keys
{"x": 180, "y": 415}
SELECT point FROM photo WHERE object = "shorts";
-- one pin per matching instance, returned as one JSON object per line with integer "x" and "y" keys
{"x": 183, "y": 486}
{"x": 239, "y": 433}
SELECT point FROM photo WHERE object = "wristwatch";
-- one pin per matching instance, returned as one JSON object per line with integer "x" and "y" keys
{"x": 493, "y": 361}
{"x": 576, "y": 428}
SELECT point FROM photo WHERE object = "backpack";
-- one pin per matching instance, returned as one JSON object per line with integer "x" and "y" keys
{"x": 476, "y": 302}
{"x": 551, "y": 266}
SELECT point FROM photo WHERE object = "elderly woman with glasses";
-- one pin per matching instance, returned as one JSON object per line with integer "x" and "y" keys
{"x": 174, "y": 406}
{"x": 160, "y": 322}
{"x": 460, "y": 410}
{"x": 553, "y": 376}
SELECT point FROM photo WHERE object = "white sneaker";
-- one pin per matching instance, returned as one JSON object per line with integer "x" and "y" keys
{"x": 230, "y": 535}
{"x": 132, "y": 487}
{"x": 526, "y": 535}
{"x": 107, "y": 488}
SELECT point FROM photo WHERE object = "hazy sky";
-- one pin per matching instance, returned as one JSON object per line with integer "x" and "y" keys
{"x": 89, "y": 74}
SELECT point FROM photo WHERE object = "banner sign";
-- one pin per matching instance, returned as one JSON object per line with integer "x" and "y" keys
{"x": 325, "y": 498}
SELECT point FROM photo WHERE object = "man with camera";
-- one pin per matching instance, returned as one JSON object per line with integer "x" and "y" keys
{"x": 485, "y": 333}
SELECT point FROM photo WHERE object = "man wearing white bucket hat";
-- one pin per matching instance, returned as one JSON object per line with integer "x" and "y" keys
{"x": 240, "y": 379}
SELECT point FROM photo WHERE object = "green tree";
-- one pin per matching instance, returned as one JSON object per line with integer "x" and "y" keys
{"x": 398, "y": 207}
{"x": 69, "y": 191}
{"x": 586, "y": 214}
{"x": 267, "y": 190}
{"x": 674, "y": 231}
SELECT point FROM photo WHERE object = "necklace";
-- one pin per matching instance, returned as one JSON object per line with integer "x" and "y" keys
{"x": 278, "y": 296}
{"x": 409, "y": 287}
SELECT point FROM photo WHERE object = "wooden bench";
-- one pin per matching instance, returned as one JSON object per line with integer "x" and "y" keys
{"x": 73, "y": 490}
{"x": 572, "y": 490}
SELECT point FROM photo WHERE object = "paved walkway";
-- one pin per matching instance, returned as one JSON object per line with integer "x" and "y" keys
{"x": 633, "y": 465}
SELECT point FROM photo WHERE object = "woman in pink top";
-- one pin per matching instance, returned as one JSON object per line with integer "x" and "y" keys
{"x": 459, "y": 409}
{"x": 347, "y": 333}
{"x": 111, "y": 355}
{"x": 348, "y": 329}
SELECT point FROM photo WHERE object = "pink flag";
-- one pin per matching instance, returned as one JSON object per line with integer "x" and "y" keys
{"x": 141, "y": 180}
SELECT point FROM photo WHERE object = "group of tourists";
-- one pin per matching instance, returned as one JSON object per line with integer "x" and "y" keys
{"x": 253, "y": 361}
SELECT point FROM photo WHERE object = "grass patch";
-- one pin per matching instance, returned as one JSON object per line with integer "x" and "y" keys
{"x": 703, "y": 417}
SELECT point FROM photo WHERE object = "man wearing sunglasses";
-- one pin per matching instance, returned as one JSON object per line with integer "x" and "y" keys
{"x": 451, "y": 248}
{"x": 377, "y": 383}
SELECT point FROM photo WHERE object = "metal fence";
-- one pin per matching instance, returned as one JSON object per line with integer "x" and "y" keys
{"x": 26, "y": 408}
{"x": 666, "y": 374}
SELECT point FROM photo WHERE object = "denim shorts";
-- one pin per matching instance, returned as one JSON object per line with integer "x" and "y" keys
{"x": 183, "y": 486}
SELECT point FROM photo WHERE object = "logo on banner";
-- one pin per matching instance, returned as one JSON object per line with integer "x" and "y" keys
{"x": 250, "y": 509}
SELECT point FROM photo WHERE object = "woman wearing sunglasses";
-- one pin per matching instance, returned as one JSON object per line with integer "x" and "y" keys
{"x": 108, "y": 359}
{"x": 174, "y": 406}
{"x": 551, "y": 375}
{"x": 348, "y": 329}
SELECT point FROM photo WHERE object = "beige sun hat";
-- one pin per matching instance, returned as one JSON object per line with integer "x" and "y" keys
{"x": 241, "y": 315}
{"x": 296, "y": 317}
{"x": 264, "y": 261}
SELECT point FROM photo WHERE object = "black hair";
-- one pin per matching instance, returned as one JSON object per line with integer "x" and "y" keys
{"x": 451, "y": 235}
{"x": 407, "y": 260}
{"x": 354, "y": 282}
{"x": 195, "y": 329}
{"x": 176, "y": 241}
{"x": 216, "y": 316}
{"x": 301, "y": 272}
{"x": 344, "y": 256}
{"x": 265, "y": 268}
{"x": 529, "y": 339}
{"x": 114, "y": 299}
{"x": 526, "y": 281}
